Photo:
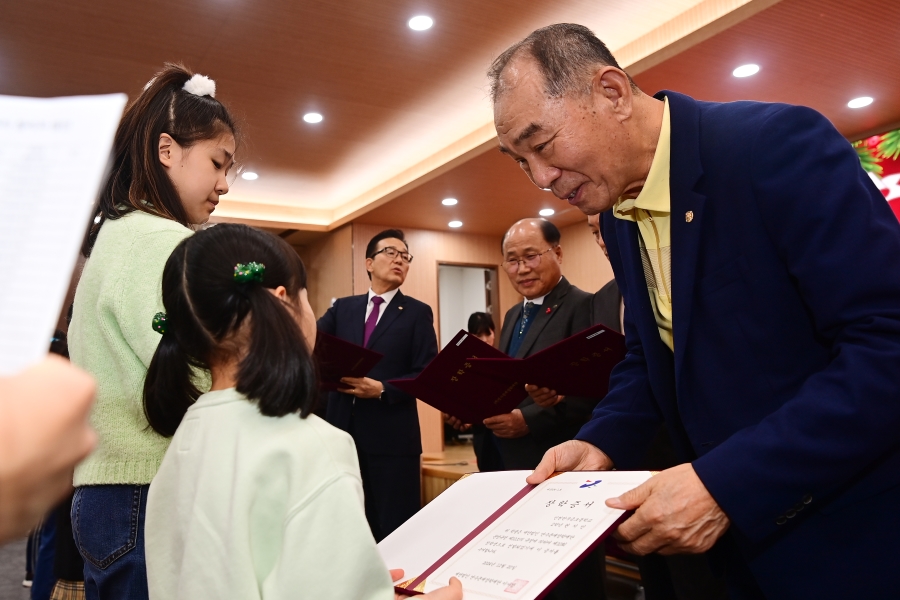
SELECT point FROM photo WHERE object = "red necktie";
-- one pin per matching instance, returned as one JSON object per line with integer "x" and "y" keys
{"x": 373, "y": 318}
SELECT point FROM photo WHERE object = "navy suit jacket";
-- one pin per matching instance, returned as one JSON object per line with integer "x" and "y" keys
{"x": 405, "y": 335}
{"x": 784, "y": 386}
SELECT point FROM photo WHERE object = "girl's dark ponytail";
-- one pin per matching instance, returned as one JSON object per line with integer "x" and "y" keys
{"x": 169, "y": 389}
{"x": 211, "y": 315}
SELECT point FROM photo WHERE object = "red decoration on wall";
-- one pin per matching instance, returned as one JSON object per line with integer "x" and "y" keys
{"x": 880, "y": 157}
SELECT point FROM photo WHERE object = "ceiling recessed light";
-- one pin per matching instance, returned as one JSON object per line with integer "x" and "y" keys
{"x": 249, "y": 175}
{"x": 455, "y": 224}
{"x": 313, "y": 118}
{"x": 860, "y": 102}
{"x": 449, "y": 201}
{"x": 746, "y": 70}
{"x": 546, "y": 212}
{"x": 420, "y": 23}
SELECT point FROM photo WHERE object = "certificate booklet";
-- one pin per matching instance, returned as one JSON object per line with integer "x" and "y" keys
{"x": 504, "y": 539}
{"x": 577, "y": 366}
{"x": 450, "y": 384}
{"x": 339, "y": 358}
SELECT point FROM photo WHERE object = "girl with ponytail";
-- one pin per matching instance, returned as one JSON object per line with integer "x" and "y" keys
{"x": 172, "y": 153}
{"x": 256, "y": 498}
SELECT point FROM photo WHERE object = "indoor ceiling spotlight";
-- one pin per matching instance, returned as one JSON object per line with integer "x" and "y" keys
{"x": 860, "y": 102}
{"x": 546, "y": 212}
{"x": 449, "y": 201}
{"x": 249, "y": 176}
{"x": 313, "y": 118}
{"x": 746, "y": 70}
{"x": 420, "y": 23}
{"x": 455, "y": 224}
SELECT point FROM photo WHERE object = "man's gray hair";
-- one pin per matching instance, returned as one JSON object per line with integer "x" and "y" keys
{"x": 566, "y": 54}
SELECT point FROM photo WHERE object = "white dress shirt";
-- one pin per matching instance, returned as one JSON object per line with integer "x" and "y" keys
{"x": 388, "y": 296}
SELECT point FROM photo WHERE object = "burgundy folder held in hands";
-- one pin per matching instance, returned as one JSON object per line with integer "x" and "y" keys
{"x": 339, "y": 358}
{"x": 577, "y": 366}
{"x": 450, "y": 384}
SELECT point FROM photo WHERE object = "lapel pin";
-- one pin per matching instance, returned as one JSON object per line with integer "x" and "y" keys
{"x": 689, "y": 216}
{"x": 548, "y": 310}
{"x": 400, "y": 308}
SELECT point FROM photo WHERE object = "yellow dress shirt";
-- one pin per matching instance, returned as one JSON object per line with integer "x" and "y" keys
{"x": 651, "y": 210}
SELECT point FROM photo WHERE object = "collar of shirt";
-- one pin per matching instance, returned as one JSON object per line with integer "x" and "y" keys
{"x": 655, "y": 194}
{"x": 388, "y": 296}
{"x": 540, "y": 299}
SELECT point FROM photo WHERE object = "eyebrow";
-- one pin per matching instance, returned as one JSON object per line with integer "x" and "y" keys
{"x": 229, "y": 157}
{"x": 529, "y": 131}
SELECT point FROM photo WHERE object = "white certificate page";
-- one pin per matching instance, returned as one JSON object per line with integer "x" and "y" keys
{"x": 528, "y": 547}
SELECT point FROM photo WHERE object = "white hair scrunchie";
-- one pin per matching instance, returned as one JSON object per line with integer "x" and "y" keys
{"x": 201, "y": 85}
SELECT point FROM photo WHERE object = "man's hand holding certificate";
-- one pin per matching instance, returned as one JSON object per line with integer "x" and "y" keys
{"x": 674, "y": 512}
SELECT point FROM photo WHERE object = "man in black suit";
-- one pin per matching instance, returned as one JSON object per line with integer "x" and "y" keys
{"x": 383, "y": 420}
{"x": 553, "y": 309}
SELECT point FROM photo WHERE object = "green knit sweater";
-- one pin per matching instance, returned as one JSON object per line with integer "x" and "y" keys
{"x": 111, "y": 337}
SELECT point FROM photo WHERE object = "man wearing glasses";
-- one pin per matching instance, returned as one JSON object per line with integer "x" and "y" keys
{"x": 552, "y": 310}
{"x": 382, "y": 419}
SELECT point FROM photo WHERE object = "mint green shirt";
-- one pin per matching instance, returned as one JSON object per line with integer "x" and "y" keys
{"x": 259, "y": 508}
{"x": 111, "y": 338}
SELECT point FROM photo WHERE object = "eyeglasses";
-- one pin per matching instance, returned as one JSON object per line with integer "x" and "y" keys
{"x": 392, "y": 253}
{"x": 530, "y": 260}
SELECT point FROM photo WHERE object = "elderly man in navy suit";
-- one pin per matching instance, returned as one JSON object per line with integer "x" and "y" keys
{"x": 383, "y": 420}
{"x": 760, "y": 270}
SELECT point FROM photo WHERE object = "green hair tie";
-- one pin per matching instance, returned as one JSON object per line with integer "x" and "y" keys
{"x": 250, "y": 272}
{"x": 160, "y": 323}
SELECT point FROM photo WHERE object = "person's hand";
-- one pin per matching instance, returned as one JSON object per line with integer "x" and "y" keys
{"x": 453, "y": 591}
{"x": 675, "y": 515}
{"x": 455, "y": 423}
{"x": 510, "y": 425}
{"x": 573, "y": 455}
{"x": 542, "y": 396}
{"x": 43, "y": 435}
{"x": 361, "y": 387}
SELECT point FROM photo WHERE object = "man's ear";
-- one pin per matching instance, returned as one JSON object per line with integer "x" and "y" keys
{"x": 612, "y": 86}
{"x": 558, "y": 252}
{"x": 369, "y": 263}
{"x": 167, "y": 149}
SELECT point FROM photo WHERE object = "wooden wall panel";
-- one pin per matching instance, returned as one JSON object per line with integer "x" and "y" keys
{"x": 584, "y": 264}
{"x": 329, "y": 264}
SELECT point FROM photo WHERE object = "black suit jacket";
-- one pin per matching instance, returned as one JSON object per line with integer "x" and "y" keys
{"x": 405, "y": 335}
{"x": 569, "y": 312}
{"x": 606, "y": 306}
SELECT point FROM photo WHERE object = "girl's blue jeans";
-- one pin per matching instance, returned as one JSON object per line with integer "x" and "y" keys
{"x": 108, "y": 523}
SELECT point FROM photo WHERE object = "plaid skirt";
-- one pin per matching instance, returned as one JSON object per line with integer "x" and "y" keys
{"x": 67, "y": 590}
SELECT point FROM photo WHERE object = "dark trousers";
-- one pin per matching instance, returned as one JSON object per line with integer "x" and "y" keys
{"x": 108, "y": 524}
{"x": 587, "y": 581}
{"x": 392, "y": 488}
{"x": 680, "y": 577}
{"x": 486, "y": 451}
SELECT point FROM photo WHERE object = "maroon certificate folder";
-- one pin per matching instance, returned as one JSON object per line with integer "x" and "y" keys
{"x": 577, "y": 366}
{"x": 339, "y": 358}
{"x": 450, "y": 384}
